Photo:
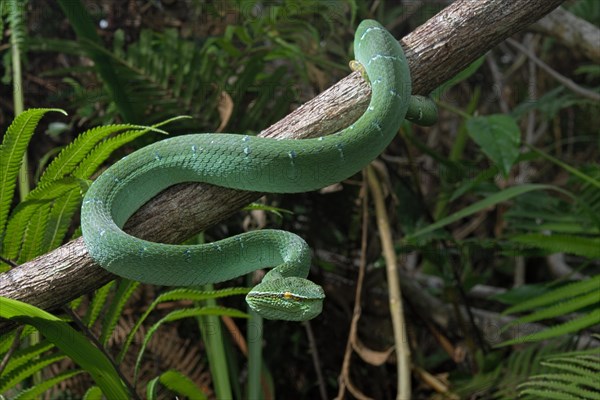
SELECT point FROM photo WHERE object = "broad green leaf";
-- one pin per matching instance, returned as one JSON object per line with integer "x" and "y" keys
{"x": 499, "y": 137}
{"x": 93, "y": 393}
{"x": 178, "y": 383}
{"x": 71, "y": 342}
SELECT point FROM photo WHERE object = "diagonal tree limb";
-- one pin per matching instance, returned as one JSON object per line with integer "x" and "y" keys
{"x": 436, "y": 51}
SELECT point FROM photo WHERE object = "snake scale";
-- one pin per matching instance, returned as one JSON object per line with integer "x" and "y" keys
{"x": 256, "y": 164}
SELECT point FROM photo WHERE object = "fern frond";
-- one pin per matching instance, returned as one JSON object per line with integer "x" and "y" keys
{"x": 26, "y": 354}
{"x": 561, "y": 308}
{"x": 24, "y": 371}
{"x": 13, "y": 147}
{"x": 557, "y": 389}
{"x": 59, "y": 220}
{"x": 557, "y": 295}
{"x": 97, "y": 304}
{"x": 123, "y": 293}
{"x": 579, "y": 245}
{"x": 21, "y": 218}
{"x": 175, "y": 295}
{"x": 36, "y": 391}
{"x": 16, "y": 22}
{"x": 34, "y": 234}
{"x": 181, "y": 314}
{"x": 571, "y": 326}
{"x": 70, "y": 157}
{"x": 103, "y": 150}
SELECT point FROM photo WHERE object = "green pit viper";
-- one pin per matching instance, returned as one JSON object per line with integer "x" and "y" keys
{"x": 255, "y": 164}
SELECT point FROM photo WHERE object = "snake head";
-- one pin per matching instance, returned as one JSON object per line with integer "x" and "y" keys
{"x": 290, "y": 299}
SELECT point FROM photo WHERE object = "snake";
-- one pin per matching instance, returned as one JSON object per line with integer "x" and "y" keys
{"x": 256, "y": 164}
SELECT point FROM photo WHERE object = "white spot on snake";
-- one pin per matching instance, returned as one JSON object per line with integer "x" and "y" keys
{"x": 395, "y": 93}
{"x": 378, "y": 80}
{"x": 245, "y": 138}
{"x": 217, "y": 246}
{"x": 370, "y": 108}
{"x": 194, "y": 149}
{"x": 321, "y": 138}
{"x": 157, "y": 156}
{"x": 376, "y": 125}
{"x": 102, "y": 232}
{"x": 247, "y": 151}
{"x": 142, "y": 250}
{"x": 340, "y": 148}
{"x": 292, "y": 155}
{"x": 385, "y": 57}
{"x": 373, "y": 28}
{"x": 187, "y": 255}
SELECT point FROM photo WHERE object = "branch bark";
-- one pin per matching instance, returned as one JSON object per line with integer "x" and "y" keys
{"x": 436, "y": 51}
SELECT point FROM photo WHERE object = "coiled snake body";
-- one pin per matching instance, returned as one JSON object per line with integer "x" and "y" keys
{"x": 247, "y": 163}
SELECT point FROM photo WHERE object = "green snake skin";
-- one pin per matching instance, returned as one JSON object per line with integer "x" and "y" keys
{"x": 247, "y": 163}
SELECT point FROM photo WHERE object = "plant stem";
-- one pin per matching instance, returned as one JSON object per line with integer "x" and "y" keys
{"x": 395, "y": 295}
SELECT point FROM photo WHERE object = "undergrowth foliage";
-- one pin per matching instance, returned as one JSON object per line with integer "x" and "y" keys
{"x": 242, "y": 78}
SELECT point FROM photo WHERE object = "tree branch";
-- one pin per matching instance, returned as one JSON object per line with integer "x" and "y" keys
{"x": 436, "y": 51}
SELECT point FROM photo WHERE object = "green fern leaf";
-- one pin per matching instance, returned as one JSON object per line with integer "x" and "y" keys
{"x": 26, "y": 354}
{"x": 97, "y": 304}
{"x": 36, "y": 391}
{"x": 557, "y": 295}
{"x": 59, "y": 220}
{"x": 548, "y": 394}
{"x": 572, "y": 378}
{"x": 582, "y": 246}
{"x": 581, "y": 364}
{"x": 22, "y": 216}
{"x": 561, "y": 308}
{"x": 574, "y": 325}
{"x": 181, "y": 314}
{"x": 34, "y": 234}
{"x": 7, "y": 339}
{"x": 12, "y": 149}
{"x": 558, "y": 389}
{"x": 24, "y": 371}
{"x": 124, "y": 291}
{"x": 176, "y": 295}
{"x": 100, "y": 153}
{"x": 70, "y": 157}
